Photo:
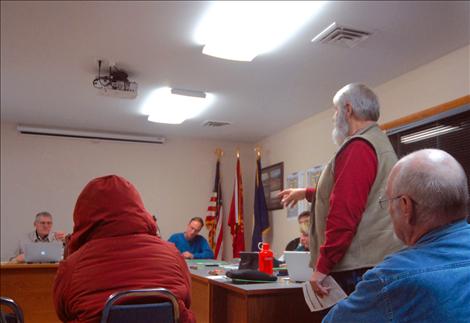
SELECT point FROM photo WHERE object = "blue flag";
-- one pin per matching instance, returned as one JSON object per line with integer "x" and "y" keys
{"x": 261, "y": 210}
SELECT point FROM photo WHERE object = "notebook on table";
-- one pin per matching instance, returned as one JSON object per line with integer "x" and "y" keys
{"x": 43, "y": 251}
{"x": 297, "y": 265}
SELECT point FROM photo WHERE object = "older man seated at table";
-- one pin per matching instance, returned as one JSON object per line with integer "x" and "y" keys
{"x": 43, "y": 233}
{"x": 427, "y": 198}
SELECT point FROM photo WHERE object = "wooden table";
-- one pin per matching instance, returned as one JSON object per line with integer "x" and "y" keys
{"x": 213, "y": 301}
{"x": 30, "y": 286}
{"x": 220, "y": 301}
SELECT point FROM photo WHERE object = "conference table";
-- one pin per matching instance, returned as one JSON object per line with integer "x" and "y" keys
{"x": 30, "y": 286}
{"x": 215, "y": 298}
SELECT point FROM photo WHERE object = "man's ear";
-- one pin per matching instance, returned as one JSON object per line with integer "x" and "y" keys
{"x": 348, "y": 109}
{"x": 407, "y": 209}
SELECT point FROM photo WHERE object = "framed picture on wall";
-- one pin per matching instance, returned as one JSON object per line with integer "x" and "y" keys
{"x": 273, "y": 183}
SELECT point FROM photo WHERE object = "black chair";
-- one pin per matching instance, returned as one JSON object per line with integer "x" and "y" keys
{"x": 292, "y": 245}
{"x": 141, "y": 305}
{"x": 15, "y": 315}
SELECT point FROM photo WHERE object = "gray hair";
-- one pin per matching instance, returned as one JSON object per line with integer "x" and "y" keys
{"x": 436, "y": 182}
{"x": 364, "y": 102}
{"x": 42, "y": 214}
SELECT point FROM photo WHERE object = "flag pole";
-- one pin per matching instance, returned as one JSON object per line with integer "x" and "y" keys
{"x": 261, "y": 218}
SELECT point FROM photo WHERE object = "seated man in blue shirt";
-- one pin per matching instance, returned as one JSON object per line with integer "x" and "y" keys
{"x": 427, "y": 199}
{"x": 190, "y": 243}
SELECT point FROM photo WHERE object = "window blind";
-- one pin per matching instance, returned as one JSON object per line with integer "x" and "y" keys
{"x": 448, "y": 131}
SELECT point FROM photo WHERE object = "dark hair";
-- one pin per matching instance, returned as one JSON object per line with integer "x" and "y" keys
{"x": 304, "y": 214}
{"x": 198, "y": 219}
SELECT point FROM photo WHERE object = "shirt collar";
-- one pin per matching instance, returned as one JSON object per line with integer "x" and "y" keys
{"x": 39, "y": 239}
{"x": 443, "y": 230}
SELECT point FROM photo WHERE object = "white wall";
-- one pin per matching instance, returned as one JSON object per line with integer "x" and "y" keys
{"x": 175, "y": 179}
{"x": 440, "y": 81}
{"x": 309, "y": 143}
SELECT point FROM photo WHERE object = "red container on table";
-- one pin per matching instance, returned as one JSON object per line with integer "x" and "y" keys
{"x": 265, "y": 260}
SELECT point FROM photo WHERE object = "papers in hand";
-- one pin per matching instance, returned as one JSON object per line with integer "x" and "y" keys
{"x": 315, "y": 303}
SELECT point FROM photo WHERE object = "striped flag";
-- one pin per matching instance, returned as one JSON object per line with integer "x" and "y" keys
{"x": 261, "y": 210}
{"x": 235, "y": 219}
{"x": 215, "y": 216}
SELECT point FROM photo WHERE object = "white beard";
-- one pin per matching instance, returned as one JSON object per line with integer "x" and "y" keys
{"x": 341, "y": 129}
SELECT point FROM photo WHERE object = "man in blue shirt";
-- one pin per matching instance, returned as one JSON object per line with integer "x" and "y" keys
{"x": 427, "y": 199}
{"x": 190, "y": 243}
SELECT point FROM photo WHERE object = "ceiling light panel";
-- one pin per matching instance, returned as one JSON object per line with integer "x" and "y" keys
{"x": 173, "y": 106}
{"x": 241, "y": 30}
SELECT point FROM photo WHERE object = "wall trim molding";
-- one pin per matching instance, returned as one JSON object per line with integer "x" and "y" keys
{"x": 426, "y": 113}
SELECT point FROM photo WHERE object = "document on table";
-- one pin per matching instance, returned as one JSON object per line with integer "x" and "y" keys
{"x": 315, "y": 303}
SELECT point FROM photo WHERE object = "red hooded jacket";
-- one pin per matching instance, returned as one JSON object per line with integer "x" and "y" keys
{"x": 114, "y": 247}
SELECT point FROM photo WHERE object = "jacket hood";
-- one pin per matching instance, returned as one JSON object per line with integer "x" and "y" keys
{"x": 109, "y": 206}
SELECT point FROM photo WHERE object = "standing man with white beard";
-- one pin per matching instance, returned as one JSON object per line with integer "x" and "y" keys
{"x": 349, "y": 232}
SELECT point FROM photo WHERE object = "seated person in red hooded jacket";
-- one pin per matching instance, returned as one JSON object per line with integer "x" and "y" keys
{"x": 114, "y": 247}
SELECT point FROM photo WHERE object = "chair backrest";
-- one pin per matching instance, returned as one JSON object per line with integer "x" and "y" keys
{"x": 15, "y": 316}
{"x": 141, "y": 305}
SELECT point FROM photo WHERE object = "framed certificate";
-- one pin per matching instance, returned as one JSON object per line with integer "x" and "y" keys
{"x": 273, "y": 183}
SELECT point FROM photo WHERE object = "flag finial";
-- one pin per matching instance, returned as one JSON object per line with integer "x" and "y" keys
{"x": 258, "y": 152}
{"x": 219, "y": 153}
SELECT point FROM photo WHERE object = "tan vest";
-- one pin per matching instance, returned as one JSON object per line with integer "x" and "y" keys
{"x": 374, "y": 238}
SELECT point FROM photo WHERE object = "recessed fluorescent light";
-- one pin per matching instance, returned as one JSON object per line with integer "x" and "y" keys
{"x": 428, "y": 133}
{"x": 173, "y": 106}
{"x": 241, "y": 30}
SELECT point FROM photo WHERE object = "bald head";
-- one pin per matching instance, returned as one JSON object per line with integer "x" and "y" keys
{"x": 435, "y": 181}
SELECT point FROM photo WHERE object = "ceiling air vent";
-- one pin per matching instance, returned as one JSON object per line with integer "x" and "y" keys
{"x": 211, "y": 123}
{"x": 339, "y": 35}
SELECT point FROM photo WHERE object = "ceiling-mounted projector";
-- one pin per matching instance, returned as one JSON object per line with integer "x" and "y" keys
{"x": 115, "y": 84}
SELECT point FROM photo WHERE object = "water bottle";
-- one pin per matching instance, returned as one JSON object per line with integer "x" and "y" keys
{"x": 265, "y": 260}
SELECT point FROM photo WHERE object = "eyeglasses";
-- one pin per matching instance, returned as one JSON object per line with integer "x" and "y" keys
{"x": 383, "y": 202}
{"x": 45, "y": 222}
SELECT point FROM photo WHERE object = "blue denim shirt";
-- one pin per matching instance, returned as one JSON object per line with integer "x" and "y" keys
{"x": 427, "y": 282}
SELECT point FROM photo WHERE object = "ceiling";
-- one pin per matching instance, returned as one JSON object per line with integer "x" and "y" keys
{"x": 49, "y": 53}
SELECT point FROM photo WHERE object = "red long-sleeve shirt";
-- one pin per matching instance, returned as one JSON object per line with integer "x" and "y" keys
{"x": 354, "y": 174}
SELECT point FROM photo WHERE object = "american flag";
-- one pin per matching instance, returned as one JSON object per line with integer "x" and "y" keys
{"x": 215, "y": 216}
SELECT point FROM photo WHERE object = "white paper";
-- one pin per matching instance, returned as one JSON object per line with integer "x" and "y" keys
{"x": 316, "y": 303}
{"x": 295, "y": 180}
{"x": 218, "y": 277}
{"x": 313, "y": 175}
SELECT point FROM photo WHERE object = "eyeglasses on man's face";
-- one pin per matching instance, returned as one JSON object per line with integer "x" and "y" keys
{"x": 44, "y": 222}
{"x": 383, "y": 202}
